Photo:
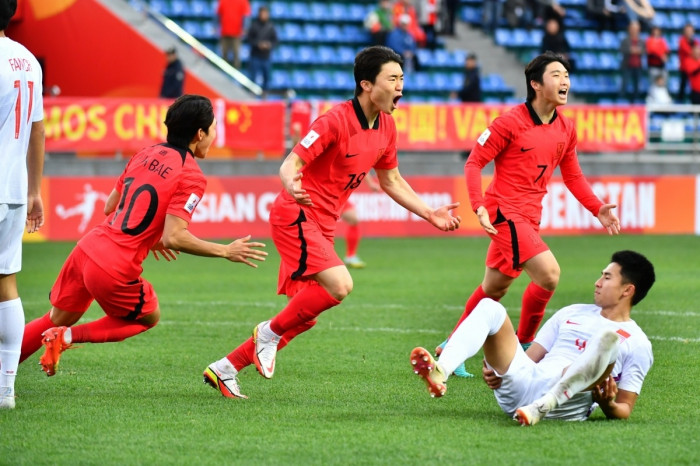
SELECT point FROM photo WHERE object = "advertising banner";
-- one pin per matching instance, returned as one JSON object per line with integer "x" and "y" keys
{"x": 233, "y": 207}
{"x": 448, "y": 126}
{"x": 129, "y": 124}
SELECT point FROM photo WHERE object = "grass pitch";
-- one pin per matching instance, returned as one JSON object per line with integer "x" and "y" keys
{"x": 344, "y": 393}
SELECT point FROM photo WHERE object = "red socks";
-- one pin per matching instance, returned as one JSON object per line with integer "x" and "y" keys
{"x": 352, "y": 238}
{"x": 31, "y": 341}
{"x": 306, "y": 305}
{"x": 107, "y": 329}
{"x": 473, "y": 300}
{"x": 243, "y": 355}
{"x": 535, "y": 301}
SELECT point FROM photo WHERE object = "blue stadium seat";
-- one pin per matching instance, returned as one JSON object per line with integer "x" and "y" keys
{"x": 441, "y": 81}
{"x": 313, "y": 33}
{"x": 343, "y": 81}
{"x": 346, "y": 55}
{"x": 307, "y": 55}
{"x": 425, "y": 58}
{"x": 318, "y": 11}
{"x": 678, "y": 20}
{"x": 503, "y": 37}
{"x": 322, "y": 80}
{"x": 337, "y": 12}
{"x": 297, "y": 11}
{"x": 355, "y": 34}
{"x": 456, "y": 80}
{"x": 202, "y": 8}
{"x": 194, "y": 28}
{"x": 301, "y": 80}
{"x": 278, "y": 10}
{"x": 418, "y": 81}
{"x": 210, "y": 29}
{"x": 291, "y": 32}
{"x": 574, "y": 38}
{"x": 609, "y": 40}
{"x": 279, "y": 79}
{"x": 284, "y": 54}
{"x": 357, "y": 12}
{"x": 332, "y": 33}
{"x": 160, "y": 6}
{"x": 471, "y": 15}
{"x": 327, "y": 55}
{"x": 179, "y": 8}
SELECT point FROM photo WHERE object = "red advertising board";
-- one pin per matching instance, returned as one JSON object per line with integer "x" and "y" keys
{"x": 92, "y": 124}
{"x": 237, "y": 206}
{"x": 451, "y": 127}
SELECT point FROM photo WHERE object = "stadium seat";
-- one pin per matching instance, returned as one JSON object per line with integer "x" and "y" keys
{"x": 179, "y": 8}
{"x": 202, "y": 9}
{"x": 160, "y": 6}
{"x": 284, "y": 54}
{"x": 291, "y": 32}
{"x": 503, "y": 37}
{"x": 298, "y": 11}
{"x": 301, "y": 80}
{"x": 313, "y": 33}
{"x": 326, "y": 55}
{"x": 278, "y": 11}
{"x": 306, "y": 55}
{"x": 337, "y": 12}
{"x": 279, "y": 79}
{"x": 574, "y": 38}
{"x": 344, "y": 81}
{"x": 322, "y": 80}
{"x": 332, "y": 33}
{"x": 318, "y": 11}
{"x": 356, "y": 12}
{"x": 345, "y": 55}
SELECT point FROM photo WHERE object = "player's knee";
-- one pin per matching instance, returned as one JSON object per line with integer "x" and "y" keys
{"x": 550, "y": 280}
{"x": 341, "y": 290}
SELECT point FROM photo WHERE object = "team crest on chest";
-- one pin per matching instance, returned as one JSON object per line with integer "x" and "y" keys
{"x": 560, "y": 149}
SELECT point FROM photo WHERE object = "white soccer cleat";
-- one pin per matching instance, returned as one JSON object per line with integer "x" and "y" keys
{"x": 227, "y": 384}
{"x": 265, "y": 352}
{"x": 7, "y": 399}
{"x": 532, "y": 414}
{"x": 425, "y": 366}
{"x": 354, "y": 262}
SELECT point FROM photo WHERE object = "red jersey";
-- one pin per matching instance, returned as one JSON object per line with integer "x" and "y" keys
{"x": 693, "y": 71}
{"x": 339, "y": 150}
{"x": 231, "y": 14}
{"x": 159, "y": 180}
{"x": 657, "y": 52}
{"x": 526, "y": 152}
{"x": 685, "y": 51}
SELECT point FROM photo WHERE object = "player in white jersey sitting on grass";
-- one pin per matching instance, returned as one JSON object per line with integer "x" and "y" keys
{"x": 584, "y": 354}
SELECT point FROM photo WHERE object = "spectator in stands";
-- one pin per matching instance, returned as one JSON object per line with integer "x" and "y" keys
{"x": 262, "y": 37}
{"x": 694, "y": 75}
{"x": 658, "y": 92}
{"x": 640, "y": 11}
{"x": 427, "y": 18}
{"x": 379, "y": 22}
{"x": 544, "y": 10}
{"x": 449, "y": 17}
{"x": 603, "y": 12}
{"x": 657, "y": 54}
{"x": 405, "y": 7}
{"x": 518, "y": 14}
{"x": 471, "y": 87}
{"x": 401, "y": 41}
{"x": 631, "y": 49}
{"x": 685, "y": 46}
{"x": 493, "y": 12}
{"x": 173, "y": 76}
{"x": 232, "y": 14}
{"x": 555, "y": 40}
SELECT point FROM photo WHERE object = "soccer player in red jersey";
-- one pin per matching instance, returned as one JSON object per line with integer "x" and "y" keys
{"x": 149, "y": 208}
{"x": 526, "y": 144}
{"x": 318, "y": 176}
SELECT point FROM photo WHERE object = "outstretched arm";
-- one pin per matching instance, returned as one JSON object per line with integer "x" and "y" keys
{"x": 176, "y": 236}
{"x": 400, "y": 191}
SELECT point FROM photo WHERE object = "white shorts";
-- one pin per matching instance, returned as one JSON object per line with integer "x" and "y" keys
{"x": 13, "y": 218}
{"x": 525, "y": 381}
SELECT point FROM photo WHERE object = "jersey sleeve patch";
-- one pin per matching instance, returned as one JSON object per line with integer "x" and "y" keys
{"x": 192, "y": 203}
{"x": 484, "y": 137}
{"x": 309, "y": 139}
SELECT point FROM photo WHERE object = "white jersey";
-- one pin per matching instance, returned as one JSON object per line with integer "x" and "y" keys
{"x": 566, "y": 334}
{"x": 21, "y": 104}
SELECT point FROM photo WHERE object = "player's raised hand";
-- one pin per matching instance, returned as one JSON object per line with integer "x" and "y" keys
{"x": 443, "y": 219}
{"x": 485, "y": 221}
{"x": 298, "y": 192}
{"x": 608, "y": 219}
{"x": 242, "y": 250}
{"x": 168, "y": 254}
{"x": 35, "y": 213}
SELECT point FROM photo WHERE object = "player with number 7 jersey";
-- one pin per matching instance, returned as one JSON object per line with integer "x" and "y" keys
{"x": 149, "y": 208}
{"x": 526, "y": 144}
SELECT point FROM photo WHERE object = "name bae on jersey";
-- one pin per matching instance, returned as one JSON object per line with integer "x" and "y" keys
{"x": 155, "y": 165}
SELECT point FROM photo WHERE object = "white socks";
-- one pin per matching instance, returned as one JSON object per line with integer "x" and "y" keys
{"x": 225, "y": 366}
{"x": 587, "y": 368}
{"x": 266, "y": 333}
{"x": 486, "y": 319}
{"x": 11, "y": 332}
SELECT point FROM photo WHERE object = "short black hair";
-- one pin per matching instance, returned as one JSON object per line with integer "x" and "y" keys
{"x": 187, "y": 115}
{"x": 637, "y": 270}
{"x": 369, "y": 62}
{"x": 8, "y": 8}
{"x": 534, "y": 71}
